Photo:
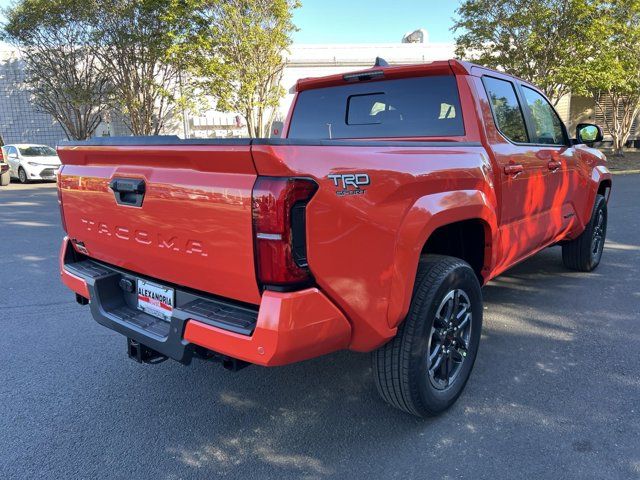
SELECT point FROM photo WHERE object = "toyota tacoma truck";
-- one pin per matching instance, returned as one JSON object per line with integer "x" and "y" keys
{"x": 392, "y": 196}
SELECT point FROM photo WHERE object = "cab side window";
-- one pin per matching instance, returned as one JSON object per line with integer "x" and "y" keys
{"x": 506, "y": 109}
{"x": 546, "y": 123}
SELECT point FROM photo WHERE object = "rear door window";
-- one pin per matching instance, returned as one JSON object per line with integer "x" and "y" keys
{"x": 506, "y": 109}
{"x": 412, "y": 107}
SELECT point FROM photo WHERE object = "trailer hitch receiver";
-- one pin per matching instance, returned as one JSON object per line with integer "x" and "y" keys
{"x": 143, "y": 354}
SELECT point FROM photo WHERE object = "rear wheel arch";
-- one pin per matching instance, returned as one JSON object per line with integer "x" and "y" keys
{"x": 464, "y": 239}
{"x": 429, "y": 215}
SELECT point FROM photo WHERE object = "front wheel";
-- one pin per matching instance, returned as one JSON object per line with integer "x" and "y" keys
{"x": 22, "y": 175}
{"x": 424, "y": 369}
{"x": 584, "y": 253}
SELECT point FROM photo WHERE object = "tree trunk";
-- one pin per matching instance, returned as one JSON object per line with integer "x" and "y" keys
{"x": 617, "y": 146}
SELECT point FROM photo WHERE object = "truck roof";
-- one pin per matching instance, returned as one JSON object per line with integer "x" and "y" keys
{"x": 438, "y": 67}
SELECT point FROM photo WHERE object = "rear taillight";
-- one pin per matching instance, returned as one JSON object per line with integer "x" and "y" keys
{"x": 279, "y": 213}
{"x": 59, "y": 188}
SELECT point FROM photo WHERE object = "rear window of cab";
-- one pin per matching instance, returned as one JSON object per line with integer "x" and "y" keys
{"x": 408, "y": 107}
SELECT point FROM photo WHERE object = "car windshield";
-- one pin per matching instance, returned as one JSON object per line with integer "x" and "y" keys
{"x": 38, "y": 151}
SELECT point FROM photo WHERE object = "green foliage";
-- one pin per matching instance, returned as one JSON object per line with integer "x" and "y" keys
{"x": 586, "y": 47}
{"x": 134, "y": 42}
{"x": 28, "y": 21}
{"x": 141, "y": 56}
{"x": 614, "y": 63}
{"x": 62, "y": 74}
{"x": 542, "y": 41}
{"x": 612, "y": 71}
{"x": 89, "y": 56}
{"x": 236, "y": 47}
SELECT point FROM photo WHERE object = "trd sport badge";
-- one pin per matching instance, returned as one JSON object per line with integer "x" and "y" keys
{"x": 350, "y": 183}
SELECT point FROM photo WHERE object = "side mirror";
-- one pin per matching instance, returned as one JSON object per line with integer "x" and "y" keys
{"x": 13, "y": 155}
{"x": 588, "y": 133}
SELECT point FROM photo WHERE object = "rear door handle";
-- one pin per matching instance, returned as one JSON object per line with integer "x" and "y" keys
{"x": 554, "y": 165}
{"x": 513, "y": 169}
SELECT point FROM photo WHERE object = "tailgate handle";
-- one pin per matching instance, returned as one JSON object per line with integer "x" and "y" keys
{"x": 128, "y": 191}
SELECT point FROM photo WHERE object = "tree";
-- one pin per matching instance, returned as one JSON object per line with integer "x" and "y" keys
{"x": 63, "y": 76}
{"x": 237, "y": 50}
{"x": 541, "y": 41}
{"x": 133, "y": 44}
{"x": 612, "y": 72}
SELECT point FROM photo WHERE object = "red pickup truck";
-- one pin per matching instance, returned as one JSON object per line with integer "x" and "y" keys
{"x": 393, "y": 195}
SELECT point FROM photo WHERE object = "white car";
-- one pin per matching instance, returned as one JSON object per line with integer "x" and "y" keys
{"x": 31, "y": 162}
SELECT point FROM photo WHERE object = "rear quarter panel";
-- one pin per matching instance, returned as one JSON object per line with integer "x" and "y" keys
{"x": 363, "y": 250}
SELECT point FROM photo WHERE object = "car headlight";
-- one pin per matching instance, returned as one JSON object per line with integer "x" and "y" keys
{"x": 34, "y": 164}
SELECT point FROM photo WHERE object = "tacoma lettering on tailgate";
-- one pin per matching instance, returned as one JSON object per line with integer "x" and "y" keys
{"x": 170, "y": 242}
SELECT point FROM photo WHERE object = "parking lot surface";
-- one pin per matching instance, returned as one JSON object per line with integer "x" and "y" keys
{"x": 555, "y": 392}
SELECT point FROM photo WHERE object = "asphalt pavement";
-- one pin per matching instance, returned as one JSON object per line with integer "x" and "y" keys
{"x": 555, "y": 392}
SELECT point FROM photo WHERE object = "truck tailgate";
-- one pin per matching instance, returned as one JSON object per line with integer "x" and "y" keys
{"x": 193, "y": 227}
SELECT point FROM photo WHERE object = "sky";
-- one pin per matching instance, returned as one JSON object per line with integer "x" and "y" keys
{"x": 372, "y": 21}
{"x": 367, "y": 21}
{"x": 4, "y": 4}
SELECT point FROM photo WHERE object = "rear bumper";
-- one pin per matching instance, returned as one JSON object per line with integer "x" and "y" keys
{"x": 286, "y": 328}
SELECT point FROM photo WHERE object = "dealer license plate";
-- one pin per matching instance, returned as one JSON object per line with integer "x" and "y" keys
{"x": 155, "y": 299}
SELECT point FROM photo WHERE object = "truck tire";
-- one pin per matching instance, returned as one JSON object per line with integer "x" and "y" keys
{"x": 584, "y": 252}
{"x": 5, "y": 179}
{"x": 424, "y": 369}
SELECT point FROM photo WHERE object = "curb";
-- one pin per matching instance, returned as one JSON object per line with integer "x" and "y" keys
{"x": 623, "y": 172}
